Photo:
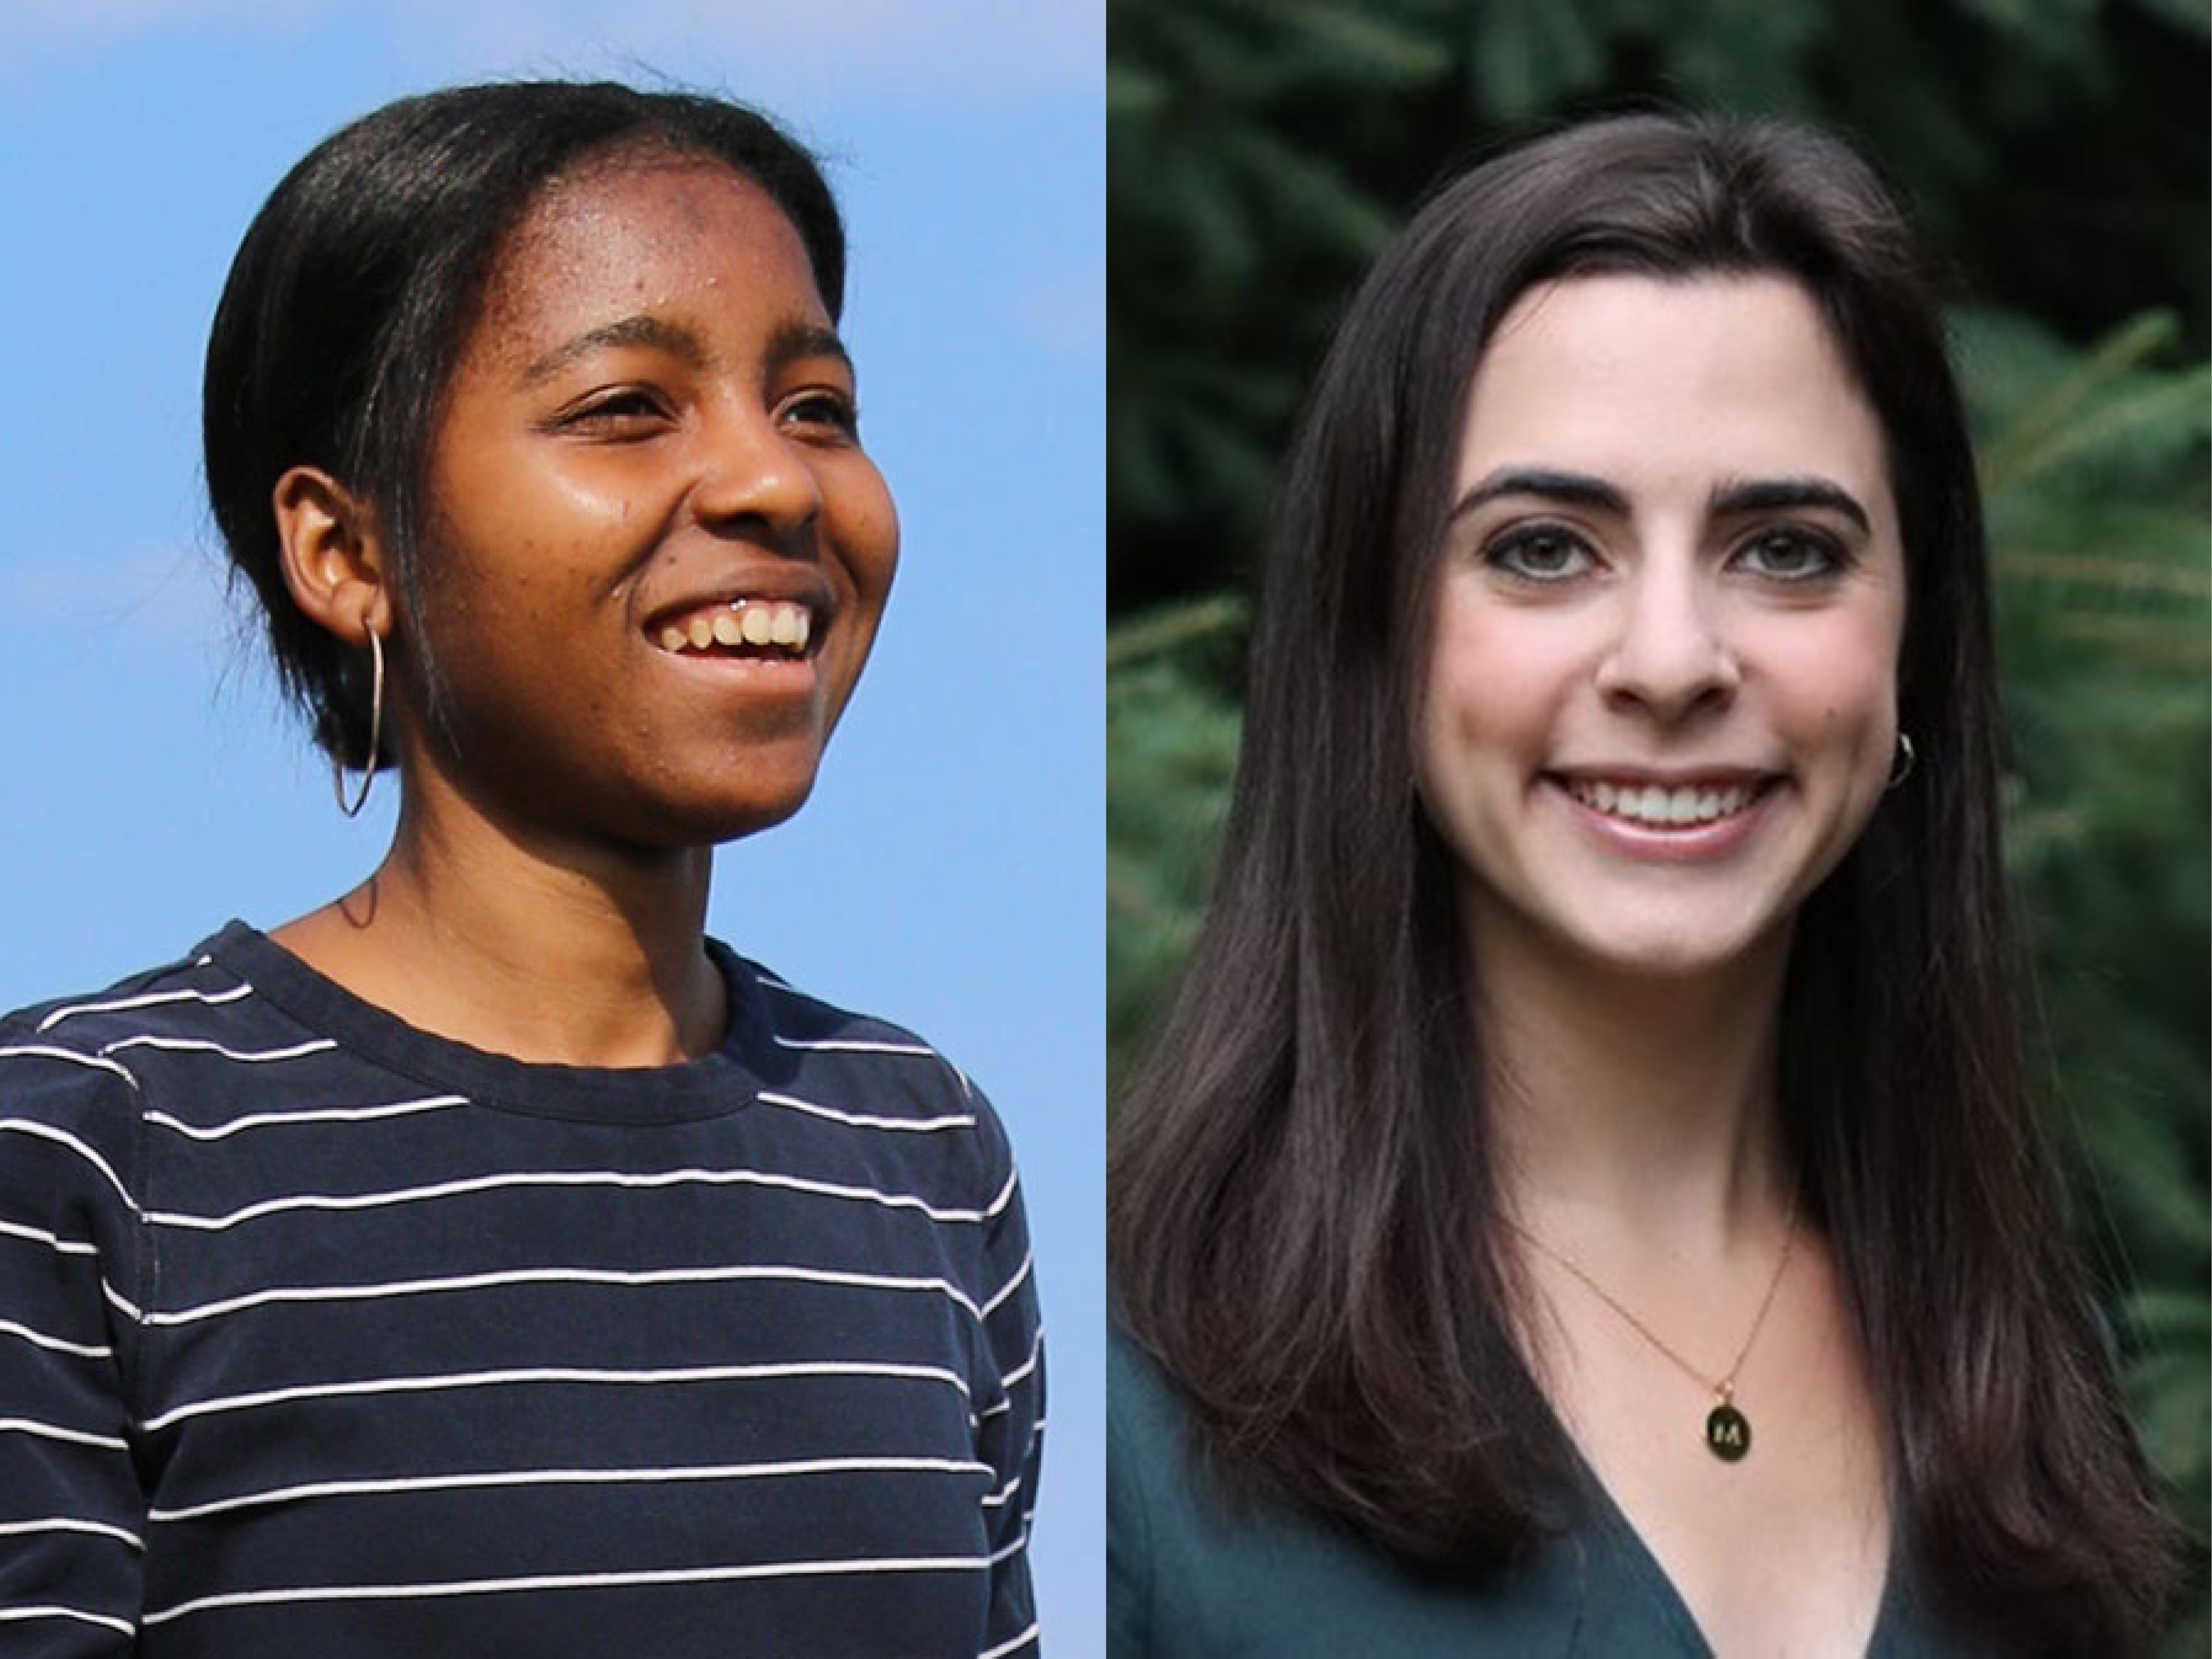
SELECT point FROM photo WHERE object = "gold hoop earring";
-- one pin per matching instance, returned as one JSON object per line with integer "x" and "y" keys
{"x": 1903, "y": 768}
{"x": 352, "y": 809}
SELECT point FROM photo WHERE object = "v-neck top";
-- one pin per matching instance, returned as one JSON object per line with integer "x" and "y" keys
{"x": 1192, "y": 1576}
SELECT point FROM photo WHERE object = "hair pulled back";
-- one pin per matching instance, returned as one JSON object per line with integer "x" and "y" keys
{"x": 1301, "y": 1218}
{"x": 353, "y": 295}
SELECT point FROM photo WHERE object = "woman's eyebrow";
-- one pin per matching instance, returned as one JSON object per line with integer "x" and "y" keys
{"x": 1572, "y": 489}
{"x": 1782, "y": 494}
{"x": 790, "y": 341}
{"x": 676, "y": 338}
{"x": 1730, "y": 497}
{"x": 798, "y": 338}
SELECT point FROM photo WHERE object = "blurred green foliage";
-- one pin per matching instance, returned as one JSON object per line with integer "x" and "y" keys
{"x": 2054, "y": 152}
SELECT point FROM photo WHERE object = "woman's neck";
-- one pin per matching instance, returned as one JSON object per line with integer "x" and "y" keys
{"x": 482, "y": 932}
{"x": 1633, "y": 1108}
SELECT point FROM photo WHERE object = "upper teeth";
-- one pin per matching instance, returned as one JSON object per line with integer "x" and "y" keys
{"x": 742, "y": 622}
{"x": 1651, "y": 804}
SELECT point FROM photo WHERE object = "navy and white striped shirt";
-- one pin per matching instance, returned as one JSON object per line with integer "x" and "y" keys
{"x": 320, "y": 1335}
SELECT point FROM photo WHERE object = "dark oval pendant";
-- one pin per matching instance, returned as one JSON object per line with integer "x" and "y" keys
{"x": 1728, "y": 1433}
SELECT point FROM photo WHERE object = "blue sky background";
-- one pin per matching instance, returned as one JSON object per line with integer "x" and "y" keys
{"x": 947, "y": 873}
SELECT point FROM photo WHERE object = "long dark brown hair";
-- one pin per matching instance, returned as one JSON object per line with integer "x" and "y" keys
{"x": 1301, "y": 1218}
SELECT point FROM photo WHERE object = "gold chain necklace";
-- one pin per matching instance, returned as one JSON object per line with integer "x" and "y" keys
{"x": 1728, "y": 1431}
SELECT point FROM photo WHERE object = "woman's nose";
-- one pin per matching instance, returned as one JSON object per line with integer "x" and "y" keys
{"x": 1670, "y": 654}
{"x": 756, "y": 474}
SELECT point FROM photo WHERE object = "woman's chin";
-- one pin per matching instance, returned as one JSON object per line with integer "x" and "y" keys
{"x": 1690, "y": 957}
{"x": 1667, "y": 943}
{"x": 712, "y": 819}
{"x": 689, "y": 806}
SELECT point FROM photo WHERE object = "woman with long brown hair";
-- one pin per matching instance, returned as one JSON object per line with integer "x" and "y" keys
{"x": 1587, "y": 1193}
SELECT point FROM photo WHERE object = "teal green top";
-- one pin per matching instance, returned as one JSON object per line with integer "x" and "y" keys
{"x": 1190, "y": 1577}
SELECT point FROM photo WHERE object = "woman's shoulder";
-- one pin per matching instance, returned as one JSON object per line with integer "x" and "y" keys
{"x": 188, "y": 979}
{"x": 1195, "y": 1567}
{"x": 213, "y": 1021}
{"x": 74, "y": 1092}
{"x": 1142, "y": 1464}
{"x": 1135, "y": 1384}
{"x": 1198, "y": 1566}
{"x": 1154, "y": 1458}
{"x": 812, "y": 1031}
{"x": 842, "y": 1067}
{"x": 191, "y": 1001}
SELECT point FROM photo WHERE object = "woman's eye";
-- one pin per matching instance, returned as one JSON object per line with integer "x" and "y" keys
{"x": 618, "y": 414}
{"x": 1540, "y": 554}
{"x": 1791, "y": 555}
{"x": 830, "y": 410}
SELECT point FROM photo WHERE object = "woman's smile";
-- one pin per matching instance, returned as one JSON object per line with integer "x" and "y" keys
{"x": 767, "y": 631}
{"x": 1686, "y": 816}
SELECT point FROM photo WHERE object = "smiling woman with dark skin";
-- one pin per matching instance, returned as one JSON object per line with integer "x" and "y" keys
{"x": 653, "y": 423}
{"x": 487, "y": 1262}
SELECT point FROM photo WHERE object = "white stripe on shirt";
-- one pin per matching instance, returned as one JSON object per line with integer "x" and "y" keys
{"x": 71, "y": 1523}
{"x": 855, "y": 1045}
{"x": 313, "y": 1115}
{"x": 83, "y": 1350}
{"x": 152, "y": 999}
{"x": 49, "y": 1051}
{"x": 1036, "y": 1349}
{"x": 1011, "y": 1285}
{"x": 480, "y": 1480}
{"x": 570, "y": 1581}
{"x": 861, "y": 1121}
{"x": 55, "y": 1432}
{"x": 40, "y": 1236}
{"x": 203, "y": 1045}
{"x": 38, "y": 1131}
{"x": 122, "y": 1624}
{"x": 122, "y": 1303}
{"x": 291, "y": 1293}
{"x": 554, "y": 1374}
{"x": 336, "y": 1202}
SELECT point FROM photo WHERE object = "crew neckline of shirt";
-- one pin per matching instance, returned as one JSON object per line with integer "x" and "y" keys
{"x": 713, "y": 1086}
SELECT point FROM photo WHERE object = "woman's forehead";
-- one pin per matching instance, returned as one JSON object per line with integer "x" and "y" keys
{"x": 640, "y": 231}
{"x": 1637, "y": 376}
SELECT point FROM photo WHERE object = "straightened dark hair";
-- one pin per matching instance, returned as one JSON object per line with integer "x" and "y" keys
{"x": 355, "y": 291}
{"x": 1301, "y": 1224}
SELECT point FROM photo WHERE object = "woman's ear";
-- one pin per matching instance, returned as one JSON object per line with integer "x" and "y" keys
{"x": 335, "y": 560}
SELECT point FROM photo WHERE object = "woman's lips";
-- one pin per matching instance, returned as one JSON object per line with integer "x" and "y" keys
{"x": 1685, "y": 819}
{"x": 1662, "y": 806}
{"x": 770, "y": 628}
